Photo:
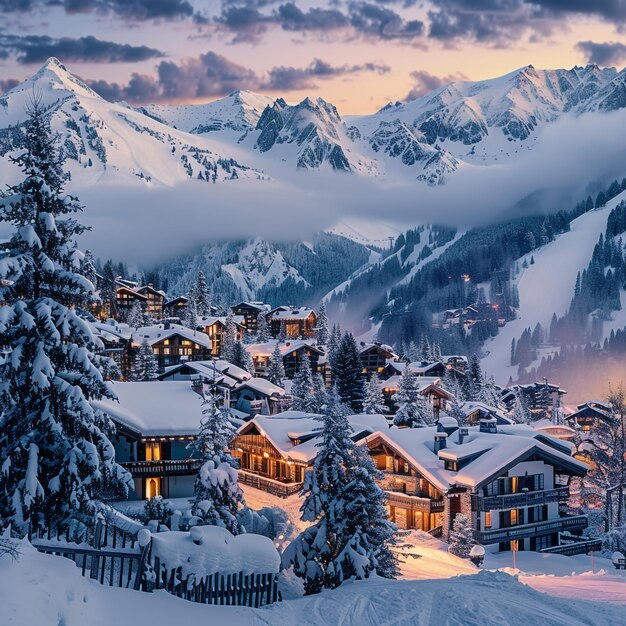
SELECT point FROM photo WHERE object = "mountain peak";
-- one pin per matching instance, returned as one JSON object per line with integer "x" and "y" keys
{"x": 58, "y": 75}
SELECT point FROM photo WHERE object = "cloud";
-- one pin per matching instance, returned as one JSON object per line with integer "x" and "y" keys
{"x": 38, "y": 48}
{"x": 8, "y": 84}
{"x": 129, "y": 9}
{"x": 426, "y": 82}
{"x": 212, "y": 75}
{"x": 372, "y": 19}
{"x": 604, "y": 54}
{"x": 291, "y": 78}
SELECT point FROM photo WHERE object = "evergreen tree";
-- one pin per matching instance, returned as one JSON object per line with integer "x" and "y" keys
{"x": 88, "y": 269}
{"x": 489, "y": 393}
{"x": 136, "y": 316}
{"x": 262, "y": 328}
{"x": 521, "y": 413}
{"x": 374, "y": 402}
{"x": 57, "y": 460}
{"x": 201, "y": 296}
{"x": 333, "y": 344}
{"x": 302, "y": 388}
{"x": 461, "y": 537}
{"x": 336, "y": 546}
{"x": 320, "y": 393}
{"x": 190, "y": 319}
{"x": 282, "y": 333}
{"x": 229, "y": 338}
{"x": 276, "y": 371}
{"x": 414, "y": 410}
{"x": 473, "y": 379}
{"x": 144, "y": 365}
{"x": 322, "y": 334}
{"x": 241, "y": 358}
{"x": 347, "y": 373}
{"x": 218, "y": 496}
{"x": 108, "y": 288}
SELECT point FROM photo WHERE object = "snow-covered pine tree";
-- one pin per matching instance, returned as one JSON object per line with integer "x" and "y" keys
{"x": 57, "y": 458}
{"x": 262, "y": 328}
{"x": 368, "y": 522}
{"x": 108, "y": 288}
{"x": 414, "y": 410}
{"x": 190, "y": 318}
{"x": 473, "y": 379}
{"x": 333, "y": 344}
{"x": 282, "y": 333}
{"x": 374, "y": 399}
{"x": 521, "y": 413}
{"x": 317, "y": 554}
{"x": 322, "y": 334}
{"x": 229, "y": 339}
{"x": 302, "y": 388}
{"x": 144, "y": 364}
{"x": 276, "y": 370}
{"x": 88, "y": 269}
{"x": 136, "y": 317}
{"x": 240, "y": 357}
{"x": 320, "y": 393}
{"x": 347, "y": 373}
{"x": 489, "y": 393}
{"x": 218, "y": 495}
{"x": 461, "y": 537}
{"x": 201, "y": 296}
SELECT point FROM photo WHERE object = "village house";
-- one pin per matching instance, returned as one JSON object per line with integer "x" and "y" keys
{"x": 510, "y": 481}
{"x": 375, "y": 356}
{"x": 588, "y": 414}
{"x": 275, "y": 452}
{"x": 125, "y": 299}
{"x": 173, "y": 343}
{"x": 297, "y": 322}
{"x": 155, "y": 423}
{"x": 539, "y": 396}
{"x": 215, "y": 328}
{"x": 434, "y": 369}
{"x": 176, "y": 307}
{"x": 257, "y": 396}
{"x": 474, "y": 411}
{"x": 429, "y": 386}
{"x": 250, "y": 312}
{"x": 117, "y": 343}
{"x": 155, "y": 302}
{"x": 292, "y": 353}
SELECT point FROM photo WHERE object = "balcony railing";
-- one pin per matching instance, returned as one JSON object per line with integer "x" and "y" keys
{"x": 572, "y": 522}
{"x": 517, "y": 500}
{"x": 271, "y": 485}
{"x": 575, "y": 547}
{"x": 416, "y": 503}
{"x": 166, "y": 467}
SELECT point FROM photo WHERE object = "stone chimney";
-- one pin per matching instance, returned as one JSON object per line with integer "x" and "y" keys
{"x": 441, "y": 439}
{"x": 463, "y": 435}
{"x": 488, "y": 424}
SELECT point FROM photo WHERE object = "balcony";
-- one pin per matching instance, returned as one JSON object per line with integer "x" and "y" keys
{"x": 270, "y": 485}
{"x": 163, "y": 467}
{"x": 572, "y": 522}
{"x": 415, "y": 503}
{"x": 518, "y": 500}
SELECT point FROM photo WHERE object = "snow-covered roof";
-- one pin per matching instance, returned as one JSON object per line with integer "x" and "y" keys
{"x": 393, "y": 382}
{"x": 262, "y": 386}
{"x": 219, "y": 370}
{"x": 267, "y": 348}
{"x": 217, "y": 551}
{"x": 284, "y": 429}
{"x": 486, "y": 455}
{"x": 158, "y": 332}
{"x": 469, "y": 406}
{"x": 155, "y": 408}
{"x": 209, "y": 320}
{"x": 292, "y": 313}
{"x": 364, "y": 346}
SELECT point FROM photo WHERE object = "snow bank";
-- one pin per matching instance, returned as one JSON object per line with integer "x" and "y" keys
{"x": 208, "y": 550}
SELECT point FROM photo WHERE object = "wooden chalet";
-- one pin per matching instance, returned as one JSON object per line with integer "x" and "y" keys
{"x": 430, "y": 387}
{"x": 292, "y": 352}
{"x": 125, "y": 299}
{"x": 419, "y": 368}
{"x": 510, "y": 481}
{"x": 173, "y": 343}
{"x": 534, "y": 394}
{"x": 155, "y": 301}
{"x": 588, "y": 414}
{"x": 298, "y": 322}
{"x": 155, "y": 423}
{"x": 249, "y": 312}
{"x": 175, "y": 307}
{"x": 375, "y": 356}
{"x": 215, "y": 328}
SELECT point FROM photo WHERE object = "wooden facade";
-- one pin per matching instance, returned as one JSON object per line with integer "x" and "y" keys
{"x": 250, "y": 312}
{"x": 374, "y": 357}
{"x": 216, "y": 330}
{"x": 292, "y": 359}
{"x": 155, "y": 301}
{"x": 298, "y": 323}
{"x": 125, "y": 299}
{"x": 176, "y": 348}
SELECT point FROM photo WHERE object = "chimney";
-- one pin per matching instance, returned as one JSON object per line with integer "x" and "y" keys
{"x": 463, "y": 434}
{"x": 488, "y": 424}
{"x": 441, "y": 439}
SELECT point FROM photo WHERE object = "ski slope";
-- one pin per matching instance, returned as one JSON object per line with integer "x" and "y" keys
{"x": 547, "y": 286}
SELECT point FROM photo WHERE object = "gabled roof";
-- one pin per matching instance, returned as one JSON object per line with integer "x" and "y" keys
{"x": 218, "y": 319}
{"x": 158, "y": 332}
{"x": 151, "y": 289}
{"x": 133, "y": 292}
{"x": 259, "y": 306}
{"x": 173, "y": 301}
{"x": 292, "y": 313}
{"x": 267, "y": 348}
{"x": 486, "y": 455}
{"x": 261, "y": 386}
{"x": 367, "y": 346}
{"x": 221, "y": 371}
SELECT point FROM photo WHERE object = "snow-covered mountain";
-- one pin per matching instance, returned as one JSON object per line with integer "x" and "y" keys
{"x": 104, "y": 141}
{"x": 248, "y": 135}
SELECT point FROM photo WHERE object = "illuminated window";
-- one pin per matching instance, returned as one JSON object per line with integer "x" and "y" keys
{"x": 514, "y": 517}
{"x": 488, "y": 519}
{"x": 186, "y": 342}
{"x": 166, "y": 342}
{"x": 153, "y": 487}
{"x": 153, "y": 451}
{"x": 514, "y": 484}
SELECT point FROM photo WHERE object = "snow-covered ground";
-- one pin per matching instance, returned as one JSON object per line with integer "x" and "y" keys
{"x": 42, "y": 590}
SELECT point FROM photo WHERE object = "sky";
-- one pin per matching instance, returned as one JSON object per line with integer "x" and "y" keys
{"x": 357, "y": 54}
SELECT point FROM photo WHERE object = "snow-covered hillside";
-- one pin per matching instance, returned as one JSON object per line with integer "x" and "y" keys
{"x": 547, "y": 287}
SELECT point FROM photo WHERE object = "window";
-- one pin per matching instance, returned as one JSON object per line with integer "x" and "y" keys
{"x": 153, "y": 487}
{"x": 488, "y": 519}
{"x": 514, "y": 484}
{"x": 153, "y": 451}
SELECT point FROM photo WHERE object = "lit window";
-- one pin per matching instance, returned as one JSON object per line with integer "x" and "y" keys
{"x": 488, "y": 519}
{"x": 153, "y": 451}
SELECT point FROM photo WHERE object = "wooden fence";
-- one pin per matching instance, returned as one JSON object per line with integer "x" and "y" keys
{"x": 113, "y": 557}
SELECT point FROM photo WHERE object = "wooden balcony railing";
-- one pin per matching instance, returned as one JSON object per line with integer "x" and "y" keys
{"x": 166, "y": 467}
{"x": 518, "y": 500}
{"x": 572, "y": 522}
{"x": 416, "y": 503}
{"x": 271, "y": 485}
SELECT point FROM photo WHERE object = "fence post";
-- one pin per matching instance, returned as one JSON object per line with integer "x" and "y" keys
{"x": 97, "y": 544}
